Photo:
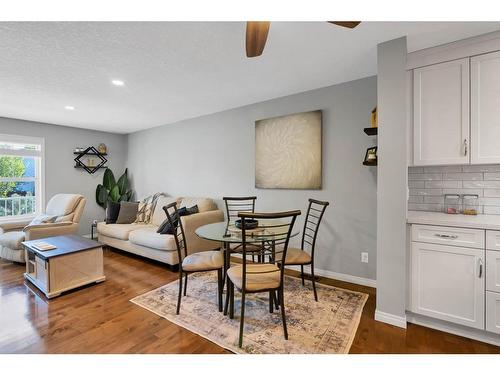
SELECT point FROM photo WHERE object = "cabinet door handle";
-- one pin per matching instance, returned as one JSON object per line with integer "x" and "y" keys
{"x": 465, "y": 147}
{"x": 480, "y": 261}
{"x": 447, "y": 236}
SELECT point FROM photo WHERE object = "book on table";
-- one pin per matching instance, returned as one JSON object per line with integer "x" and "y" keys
{"x": 44, "y": 246}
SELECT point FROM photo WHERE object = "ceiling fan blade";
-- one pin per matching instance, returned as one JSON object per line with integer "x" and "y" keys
{"x": 256, "y": 37}
{"x": 348, "y": 24}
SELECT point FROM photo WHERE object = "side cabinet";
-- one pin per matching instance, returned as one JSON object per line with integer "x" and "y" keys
{"x": 485, "y": 108}
{"x": 448, "y": 283}
{"x": 493, "y": 281}
{"x": 441, "y": 114}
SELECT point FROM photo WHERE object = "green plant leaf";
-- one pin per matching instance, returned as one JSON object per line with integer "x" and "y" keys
{"x": 123, "y": 182}
{"x": 114, "y": 194}
{"x": 108, "y": 179}
{"x": 101, "y": 196}
{"x": 129, "y": 195}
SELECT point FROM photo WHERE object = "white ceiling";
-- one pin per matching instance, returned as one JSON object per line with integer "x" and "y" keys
{"x": 179, "y": 70}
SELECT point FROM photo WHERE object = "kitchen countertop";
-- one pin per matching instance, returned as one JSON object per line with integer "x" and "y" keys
{"x": 463, "y": 221}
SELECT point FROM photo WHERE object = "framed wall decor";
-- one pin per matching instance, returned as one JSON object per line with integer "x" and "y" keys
{"x": 288, "y": 152}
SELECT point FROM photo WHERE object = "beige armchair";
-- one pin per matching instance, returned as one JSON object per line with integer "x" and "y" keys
{"x": 67, "y": 207}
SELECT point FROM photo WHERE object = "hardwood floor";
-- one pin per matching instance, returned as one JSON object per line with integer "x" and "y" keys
{"x": 100, "y": 318}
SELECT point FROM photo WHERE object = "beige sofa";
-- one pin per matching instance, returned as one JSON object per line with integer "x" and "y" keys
{"x": 142, "y": 239}
{"x": 67, "y": 207}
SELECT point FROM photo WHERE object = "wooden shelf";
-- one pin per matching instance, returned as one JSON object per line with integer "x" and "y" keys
{"x": 90, "y": 153}
{"x": 89, "y": 166}
{"x": 371, "y": 131}
{"x": 370, "y": 163}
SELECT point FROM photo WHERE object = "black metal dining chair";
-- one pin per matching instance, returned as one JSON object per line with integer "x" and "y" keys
{"x": 212, "y": 260}
{"x": 305, "y": 255}
{"x": 234, "y": 205}
{"x": 274, "y": 228}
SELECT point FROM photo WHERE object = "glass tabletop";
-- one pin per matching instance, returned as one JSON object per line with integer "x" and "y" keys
{"x": 222, "y": 232}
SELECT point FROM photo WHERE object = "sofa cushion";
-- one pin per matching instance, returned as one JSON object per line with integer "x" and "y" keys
{"x": 62, "y": 204}
{"x": 149, "y": 238}
{"x": 119, "y": 231}
{"x": 158, "y": 214}
{"x": 12, "y": 240}
{"x": 204, "y": 204}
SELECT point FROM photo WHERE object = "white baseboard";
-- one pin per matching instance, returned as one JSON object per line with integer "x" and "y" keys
{"x": 395, "y": 320}
{"x": 88, "y": 235}
{"x": 341, "y": 276}
{"x": 455, "y": 329}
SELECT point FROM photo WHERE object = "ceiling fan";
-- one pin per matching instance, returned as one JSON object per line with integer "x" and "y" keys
{"x": 257, "y": 35}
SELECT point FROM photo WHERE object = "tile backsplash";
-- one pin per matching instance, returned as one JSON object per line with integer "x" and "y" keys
{"x": 428, "y": 185}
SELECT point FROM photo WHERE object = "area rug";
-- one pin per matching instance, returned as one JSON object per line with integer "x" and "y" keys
{"x": 326, "y": 326}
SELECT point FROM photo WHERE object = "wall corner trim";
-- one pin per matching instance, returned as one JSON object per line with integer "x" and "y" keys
{"x": 395, "y": 320}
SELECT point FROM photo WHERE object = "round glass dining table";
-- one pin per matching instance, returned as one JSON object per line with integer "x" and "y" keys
{"x": 228, "y": 234}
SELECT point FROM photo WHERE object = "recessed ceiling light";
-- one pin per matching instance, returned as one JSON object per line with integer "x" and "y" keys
{"x": 69, "y": 107}
{"x": 118, "y": 82}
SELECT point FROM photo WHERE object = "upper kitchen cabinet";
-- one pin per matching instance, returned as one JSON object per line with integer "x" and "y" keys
{"x": 485, "y": 108}
{"x": 441, "y": 113}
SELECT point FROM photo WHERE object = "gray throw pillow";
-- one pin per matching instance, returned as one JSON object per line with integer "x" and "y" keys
{"x": 128, "y": 212}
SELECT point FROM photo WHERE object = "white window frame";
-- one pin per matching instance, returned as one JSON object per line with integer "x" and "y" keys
{"x": 39, "y": 171}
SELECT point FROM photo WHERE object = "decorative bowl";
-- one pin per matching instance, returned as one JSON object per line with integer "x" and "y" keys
{"x": 249, "y": 223}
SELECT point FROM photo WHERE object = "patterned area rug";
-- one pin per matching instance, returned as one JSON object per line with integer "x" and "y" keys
{"x": 326, "y": 326}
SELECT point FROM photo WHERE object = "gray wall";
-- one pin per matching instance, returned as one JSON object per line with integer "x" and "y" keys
{"x": 392, "y": 175}
{"x": 213, "y": 156}
{"x": 60, "y": 175}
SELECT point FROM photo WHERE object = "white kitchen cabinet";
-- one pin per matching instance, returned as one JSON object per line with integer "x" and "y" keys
{"x": 493, "y": 271}
{"x": 441, "y": 114}
{"x": 493, "y": 312}
{"x": 447, "y": 282}
{"x": 485, "y": 108}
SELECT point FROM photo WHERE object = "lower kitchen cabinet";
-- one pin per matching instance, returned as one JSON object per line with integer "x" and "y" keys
{"x": 493, "y": 271}
{"x": 493, "y": 312}
{"x": 448, "y": 283}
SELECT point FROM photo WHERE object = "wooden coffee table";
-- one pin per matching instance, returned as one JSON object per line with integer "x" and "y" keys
{"x": 75, "y": 262}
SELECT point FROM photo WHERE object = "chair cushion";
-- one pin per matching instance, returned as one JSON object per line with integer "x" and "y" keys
{"x": 259, "y": 277}
{"x": 69, "y": 217}
{"x": 149, "y": 238}
{"x": 204, "y": 204}
{"x": 203, "y": 261}
{"x": 295, "y": 256}
{"x": 119, "y": 231}
{"x": 42, "y": 219}
{"x": 12, "y": 240}
{"x": 62, "y": 204}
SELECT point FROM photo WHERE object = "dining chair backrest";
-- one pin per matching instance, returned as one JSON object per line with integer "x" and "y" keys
{"x": 273, "y": 230}
{"x": 177, "y": 229}
{"x": 238, "y": 204}
{"x": 315, "y": 212}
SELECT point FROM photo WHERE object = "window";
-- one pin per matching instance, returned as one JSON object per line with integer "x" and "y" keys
{"x": 21, "y": 176}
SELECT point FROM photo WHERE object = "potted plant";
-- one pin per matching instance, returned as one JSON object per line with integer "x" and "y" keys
{"x": 111, "y": 190}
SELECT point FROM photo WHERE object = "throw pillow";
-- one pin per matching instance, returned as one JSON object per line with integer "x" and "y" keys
{"x": 146, "y": 208}
{"x": 42, "y": 219}
{"x": 166, "y": 228}
{"x": 128, "y": 212}
{"x": 112, "y": 211}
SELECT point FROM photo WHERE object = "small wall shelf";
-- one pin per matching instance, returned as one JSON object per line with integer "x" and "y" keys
{"x": 92, "y": 152}
{"x": 370, "y": 163}
{"x": 371, "y": 131}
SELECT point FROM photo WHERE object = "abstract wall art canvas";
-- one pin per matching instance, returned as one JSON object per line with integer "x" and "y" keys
{"x": 288, "y": 151}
